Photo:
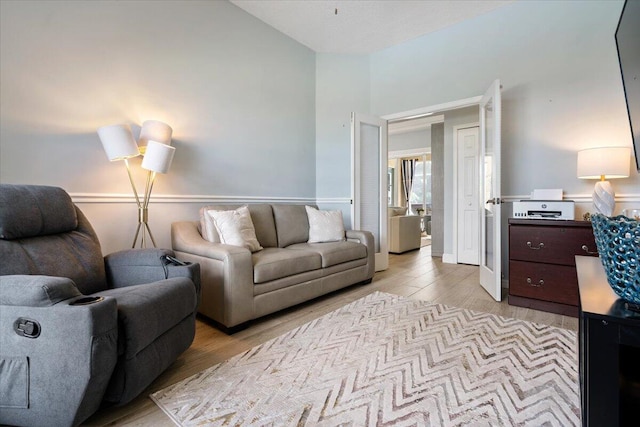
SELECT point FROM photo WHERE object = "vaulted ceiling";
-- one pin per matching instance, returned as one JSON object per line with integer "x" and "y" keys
{"x": 362, "y": 26}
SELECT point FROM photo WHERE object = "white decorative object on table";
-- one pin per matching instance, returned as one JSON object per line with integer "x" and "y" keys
{"x": 604, "y": 163}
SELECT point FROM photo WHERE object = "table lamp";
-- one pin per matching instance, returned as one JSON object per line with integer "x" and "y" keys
{"x": 604, "y": 163}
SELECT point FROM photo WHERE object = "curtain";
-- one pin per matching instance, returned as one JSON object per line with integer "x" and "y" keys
{"x": 407, "y": 169}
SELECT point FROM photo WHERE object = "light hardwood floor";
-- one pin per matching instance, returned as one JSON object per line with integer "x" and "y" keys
{"x": 414, "y": 274}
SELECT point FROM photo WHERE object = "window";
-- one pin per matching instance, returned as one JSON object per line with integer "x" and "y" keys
{"x": 421, "y": 186}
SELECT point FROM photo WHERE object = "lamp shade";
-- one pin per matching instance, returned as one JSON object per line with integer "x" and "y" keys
{"x": 158, "y": 157}
{"x": 607, "y": 162}
{"x": 153, "y": 130}
{"x": 118, "y": 142}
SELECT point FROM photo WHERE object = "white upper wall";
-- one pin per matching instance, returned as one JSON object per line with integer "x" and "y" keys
{"x": 239, "y": 95}
{"x": 342, "y": 86}
{"x": 415, "y": 139}
{"x": 256, "y": 114}
{"x": 562, "y": 89}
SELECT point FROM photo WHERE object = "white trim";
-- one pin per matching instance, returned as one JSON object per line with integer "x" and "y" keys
{"x": 578, "y": 198}
{"x": 175, "y": 198}
{"x": 407, "y": 124}
{"x": 334, "y": 201}
{"x": 453, "y": 105}
{"x": 449, "y": 259}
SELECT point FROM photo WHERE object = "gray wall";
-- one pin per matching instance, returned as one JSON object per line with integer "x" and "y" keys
{"x": 342, "y": 87}
{"x": 562, "y": 89}
{"x": 437, "y": 188}
{"x": 410, "y": 140}
{"x": 561, "y": 92}
{"x": 256, "y": 115}
{"x": 239, "y": 95}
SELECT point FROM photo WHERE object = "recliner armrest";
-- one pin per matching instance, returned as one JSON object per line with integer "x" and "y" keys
{"x": 135, "y": 266}
{"x": 64, "y": 362}
{"x": 36, "y": 291}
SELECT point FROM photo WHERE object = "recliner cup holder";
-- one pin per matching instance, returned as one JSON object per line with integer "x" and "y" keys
{"x": 87, "y": 300}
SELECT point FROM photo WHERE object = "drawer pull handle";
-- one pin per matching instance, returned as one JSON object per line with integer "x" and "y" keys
{"x": 540, "y": 246}
{"x": 586, "y": 249}
{"x": 537, "y": 285}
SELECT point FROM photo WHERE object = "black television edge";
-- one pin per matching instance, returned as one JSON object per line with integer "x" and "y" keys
{"x": 628, "y": 45}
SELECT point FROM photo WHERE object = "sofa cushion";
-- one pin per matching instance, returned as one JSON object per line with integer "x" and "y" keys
{"x": 334, "y": 253}
{"x": 206, "y": 227}
{"x": 147, "y": 311}
{"x": 276, "y": 263}
{"x": 261, "y": 216}
{"x": 325, "y": 226}
{"x": 236, "y": 228}
{"x": 292, "y": 224}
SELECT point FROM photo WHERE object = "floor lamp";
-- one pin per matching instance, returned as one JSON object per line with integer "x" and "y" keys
{"x": 119, "y": 144}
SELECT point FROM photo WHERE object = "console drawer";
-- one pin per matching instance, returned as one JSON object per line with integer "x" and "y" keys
{"x": 554, "y": 245}
{"x": 546, "y": 282}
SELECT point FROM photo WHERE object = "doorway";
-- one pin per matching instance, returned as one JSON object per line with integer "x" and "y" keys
{"x": 461, "y": 113}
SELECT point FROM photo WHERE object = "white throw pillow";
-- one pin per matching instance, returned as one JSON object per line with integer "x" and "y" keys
{"x": 207, "y": 227}
{"x": 325, "y": 226}
{"x": 236, "y": 228}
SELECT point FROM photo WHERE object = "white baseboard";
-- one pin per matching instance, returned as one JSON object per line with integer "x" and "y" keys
{"x": 449, "y": 259}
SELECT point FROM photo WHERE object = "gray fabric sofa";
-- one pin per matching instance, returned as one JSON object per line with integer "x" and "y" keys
{"x": 238, "y": 286}
{"x": 78, "y": 330}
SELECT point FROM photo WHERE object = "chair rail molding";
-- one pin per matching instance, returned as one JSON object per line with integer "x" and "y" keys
{"x": 202, "y": 198}
{"x": 578, "y": 198}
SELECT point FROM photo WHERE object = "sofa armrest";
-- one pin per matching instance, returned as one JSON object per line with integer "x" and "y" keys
{"x": 366, "y": 238}
{"x": 226, "y": 274}
{"x": 186, "y": 238}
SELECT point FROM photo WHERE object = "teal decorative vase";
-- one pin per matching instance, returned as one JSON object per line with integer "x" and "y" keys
{"x": 618, "y": 242}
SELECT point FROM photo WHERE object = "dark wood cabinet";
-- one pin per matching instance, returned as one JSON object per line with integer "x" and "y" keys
{"x": 609, "y": 350}
{"x": 542, "y": 272}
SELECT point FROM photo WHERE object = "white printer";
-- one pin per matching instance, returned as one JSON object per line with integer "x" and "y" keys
{"x": 545, "y": 204}
{"x": 544, "y": 209}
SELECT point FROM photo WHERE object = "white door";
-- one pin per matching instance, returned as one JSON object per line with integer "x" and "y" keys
{"x": 369, "y": 182}
{"x": 490, "y": 197}
{"x": 468, "y": 196}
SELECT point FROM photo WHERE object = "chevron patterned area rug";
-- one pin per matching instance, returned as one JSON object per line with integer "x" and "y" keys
{"x": 388, "y": 360}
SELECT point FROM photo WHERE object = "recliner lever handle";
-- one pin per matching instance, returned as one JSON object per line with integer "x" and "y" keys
{"x": 27, "y": 328}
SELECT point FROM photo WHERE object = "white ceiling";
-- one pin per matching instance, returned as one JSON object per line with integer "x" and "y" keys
{"x": 362, "y": 26}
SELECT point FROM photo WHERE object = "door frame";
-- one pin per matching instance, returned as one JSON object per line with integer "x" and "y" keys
{"x": 449, "y": 258}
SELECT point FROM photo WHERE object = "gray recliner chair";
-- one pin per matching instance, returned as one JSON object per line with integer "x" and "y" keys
{"x": 78, "y": 330}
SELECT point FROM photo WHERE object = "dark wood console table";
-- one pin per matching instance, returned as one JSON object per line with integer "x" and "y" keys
{"x": 609, "y": 351}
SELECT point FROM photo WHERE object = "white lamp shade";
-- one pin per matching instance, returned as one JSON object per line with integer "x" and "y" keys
{"x": 158, "y": 157}
{"x": 610, "y": 162}
{"x": 118, "y": 142}
{"x": 153, "y": 130}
